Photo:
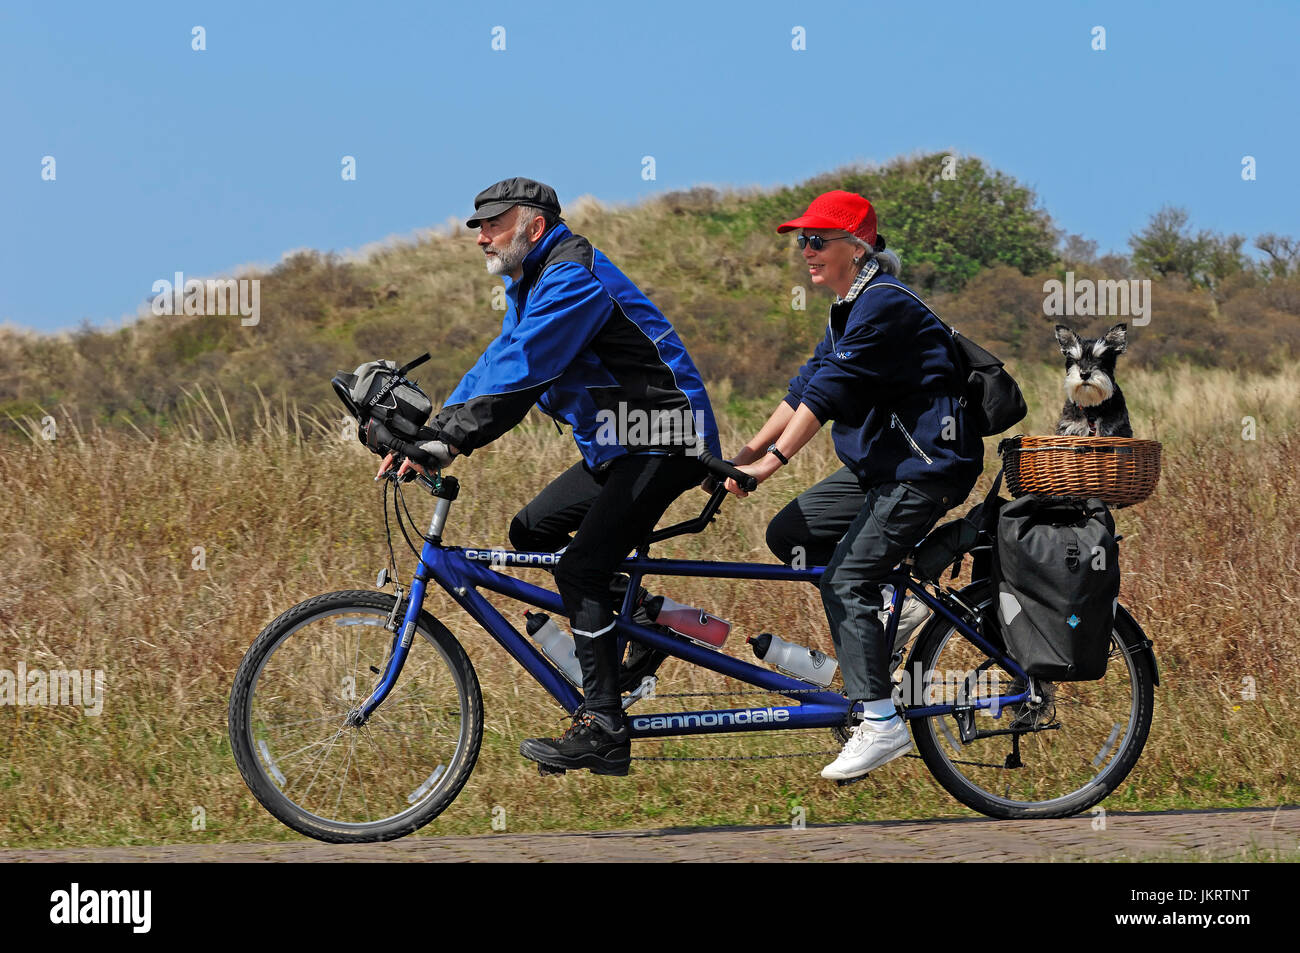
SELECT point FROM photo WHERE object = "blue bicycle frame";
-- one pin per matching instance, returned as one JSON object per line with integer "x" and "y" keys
{"x": 462, "y": 572}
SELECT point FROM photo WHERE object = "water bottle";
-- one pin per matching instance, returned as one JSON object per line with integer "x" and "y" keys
{"x": 556, "y": 644}
{"x": 695, "y": 624}
{"x": 794, "y": 660}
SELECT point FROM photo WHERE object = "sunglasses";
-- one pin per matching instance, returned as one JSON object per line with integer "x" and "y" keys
{"x": 816, "y": 241}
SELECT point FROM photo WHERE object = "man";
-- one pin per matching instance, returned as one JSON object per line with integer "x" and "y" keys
{"x": 580, "y": 341}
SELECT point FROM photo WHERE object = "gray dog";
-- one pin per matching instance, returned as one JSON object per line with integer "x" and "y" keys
{"x": 1094, "y": 404}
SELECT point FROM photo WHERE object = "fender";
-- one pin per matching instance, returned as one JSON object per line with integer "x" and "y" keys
{"x": 1145, "y": 646}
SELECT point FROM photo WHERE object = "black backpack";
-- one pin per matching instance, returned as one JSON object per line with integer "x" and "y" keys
{"x": 990, "y": 395}
{"x": 1055, "y": 572}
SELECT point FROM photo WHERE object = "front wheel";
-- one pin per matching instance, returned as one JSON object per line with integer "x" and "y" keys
{"x": 319, "y": 774}
{"x": 1052, "y": 758}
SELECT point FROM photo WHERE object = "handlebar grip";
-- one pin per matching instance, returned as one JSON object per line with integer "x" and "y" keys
{"x": 724, "y": 469}
{"x": 381, "y": 440}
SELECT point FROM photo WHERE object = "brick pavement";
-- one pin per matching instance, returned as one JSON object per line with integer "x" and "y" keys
{"x": 1249, "y": 834}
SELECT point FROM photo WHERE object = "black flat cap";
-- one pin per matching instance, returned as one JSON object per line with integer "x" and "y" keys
{"x": 507, "y": 193}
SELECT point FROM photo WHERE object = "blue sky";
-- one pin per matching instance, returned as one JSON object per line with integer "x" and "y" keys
{"x": 168, "y": 159}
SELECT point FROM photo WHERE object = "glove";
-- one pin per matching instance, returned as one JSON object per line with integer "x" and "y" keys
{"x": 376, "y": 436}
{"x": 426, "y": 453}
{"x": 434, "y": 451}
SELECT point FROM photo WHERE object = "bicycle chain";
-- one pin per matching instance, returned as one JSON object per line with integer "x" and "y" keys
{"x": 744, "y": 757}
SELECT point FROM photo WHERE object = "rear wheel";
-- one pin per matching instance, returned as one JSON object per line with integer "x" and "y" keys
{"x": 1053, "y": 757}
{"x": 329, "y": 779}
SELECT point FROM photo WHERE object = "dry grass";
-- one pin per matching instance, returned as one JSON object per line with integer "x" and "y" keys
{"x": 97, "y": 573}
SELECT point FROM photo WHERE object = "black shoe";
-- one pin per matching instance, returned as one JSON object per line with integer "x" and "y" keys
{"x": 594, "y": 741}
{"x": 641, "y": 662}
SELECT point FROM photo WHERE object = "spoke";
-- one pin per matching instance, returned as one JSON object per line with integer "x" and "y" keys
{"x": 393, "y": 730}
{"x": 324, "y": 754}
{"x": 310, "y": 744}
{"x": 303, "y": 721}
{"x": 385, "y": 725}
{"x": 408, "y": 702}
{"x": 356, "y": 657}
{"x": 374, "y": 743}
{"x": 365, "y": 805}
{"x": 1076, "y": 703}
{"x": 347, "y": 763}
{"x": 317, "y": 761}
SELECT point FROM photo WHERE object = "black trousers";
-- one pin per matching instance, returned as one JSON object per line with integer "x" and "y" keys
{"x": 811, "y": 525}
{"x": 859, "y": 536}
{"x": 608, "y": 513}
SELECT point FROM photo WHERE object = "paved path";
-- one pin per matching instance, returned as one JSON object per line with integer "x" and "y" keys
{"x": 1247, "y": 834}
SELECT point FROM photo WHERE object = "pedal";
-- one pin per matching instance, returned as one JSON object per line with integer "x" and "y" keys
{"x": 645, "y": 690}
{"x": 847, "y": 781}
{"x": 545, "y": 769}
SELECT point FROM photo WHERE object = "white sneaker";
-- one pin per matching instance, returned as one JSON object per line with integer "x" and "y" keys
{"x": 867, "y": 748}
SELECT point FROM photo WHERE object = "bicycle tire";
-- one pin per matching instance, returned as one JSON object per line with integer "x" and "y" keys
{"x": 443, "y": 665}
{"x": 946, "y": 756}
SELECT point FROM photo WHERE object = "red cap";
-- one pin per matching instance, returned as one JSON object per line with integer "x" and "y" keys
{"x": 836, "y": 209}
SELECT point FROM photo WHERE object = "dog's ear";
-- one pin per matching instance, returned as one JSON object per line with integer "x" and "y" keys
{"x": 1069, "y": 341}
{"x": 1117, "y": 338}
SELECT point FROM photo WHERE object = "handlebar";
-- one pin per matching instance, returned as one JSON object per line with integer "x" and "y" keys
{"x": 719, "y": 468}
{"x": 722, "y": 468}
{"x": 446, "y": 488}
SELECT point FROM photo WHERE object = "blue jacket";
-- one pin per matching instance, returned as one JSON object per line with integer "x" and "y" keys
{"x": 583, "y": 343}
{"x": 886, "y": 373}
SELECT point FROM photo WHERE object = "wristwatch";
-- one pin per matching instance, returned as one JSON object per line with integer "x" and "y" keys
{"x": 778, "y": 454}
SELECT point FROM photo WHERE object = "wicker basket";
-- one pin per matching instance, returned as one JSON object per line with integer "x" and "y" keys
{"x": 1120, "y": 471}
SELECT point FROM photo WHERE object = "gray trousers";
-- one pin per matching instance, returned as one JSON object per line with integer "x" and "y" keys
{"x": 859, "y": 536}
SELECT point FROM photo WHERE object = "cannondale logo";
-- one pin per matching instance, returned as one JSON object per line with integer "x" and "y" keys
{"x": 499, "y": 557}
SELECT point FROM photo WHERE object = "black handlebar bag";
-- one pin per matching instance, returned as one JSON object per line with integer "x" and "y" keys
{"x": 380, "y": 390}
{"x": 1056, "y": 575}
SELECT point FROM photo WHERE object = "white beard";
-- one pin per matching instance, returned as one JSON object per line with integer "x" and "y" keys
{"x": 1097, "y": 389}
{"x": 512, "y": 256}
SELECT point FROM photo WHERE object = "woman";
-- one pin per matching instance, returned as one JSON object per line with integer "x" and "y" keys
{"x": 886, "y": 374}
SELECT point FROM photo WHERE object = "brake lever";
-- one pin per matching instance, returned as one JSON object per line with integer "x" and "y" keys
{"x": 391, "y": 473}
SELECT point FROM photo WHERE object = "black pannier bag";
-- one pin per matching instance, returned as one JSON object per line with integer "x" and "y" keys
{"x": 380, "y": 390}
{"x": 1056, "y": 579}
